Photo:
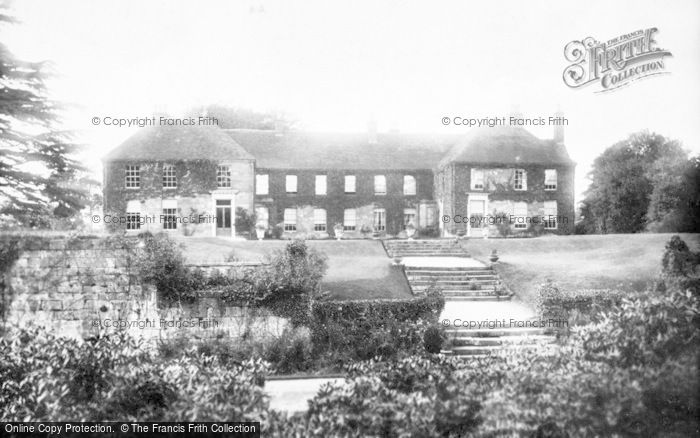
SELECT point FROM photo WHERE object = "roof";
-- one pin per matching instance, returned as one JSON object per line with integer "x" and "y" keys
{"x": 179, "y": 143}
{"x": 506, "y": 145}
{"x": 304, "y": 150}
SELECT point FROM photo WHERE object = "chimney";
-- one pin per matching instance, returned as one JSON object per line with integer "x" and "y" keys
{"x": 559, "y": 121}
{"x": 372, "y": 131}
{"x": 515, "y": 112}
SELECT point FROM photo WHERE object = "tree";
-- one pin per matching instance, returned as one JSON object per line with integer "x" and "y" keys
{"x": 624, "y": 178}
{"x": 241, "y": 118}
{"x": 38, "y": 166}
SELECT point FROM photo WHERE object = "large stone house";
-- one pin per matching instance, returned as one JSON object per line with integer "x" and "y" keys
{"x": 191, "y": 180}
{"x": 506, "y": 177}
{"x": 186, "y": 180}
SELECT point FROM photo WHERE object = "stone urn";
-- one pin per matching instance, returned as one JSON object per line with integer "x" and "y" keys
{"x": 338, "y": 230}
{"x": 397, "y": 261}
{"x": 493, "y": 258}
{"x": 260, "y": 231}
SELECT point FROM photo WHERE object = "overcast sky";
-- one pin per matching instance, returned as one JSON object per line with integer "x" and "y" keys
{"x": 331, "y": 64}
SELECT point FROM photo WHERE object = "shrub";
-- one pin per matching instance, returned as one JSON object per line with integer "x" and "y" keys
{"x": 680, "y": 267}
{"x": 433, "y": 338}
{"x": 360, "y": 330}
{"x": 244, "y": 221}
{"x": 161, "y": 262}
{"x": 116, "y": 378}
{"x": 574, "y": 306}
{"x": 291, "y": 352}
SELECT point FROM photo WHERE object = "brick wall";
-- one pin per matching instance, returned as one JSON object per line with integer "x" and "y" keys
{"x": 336, "y": 200}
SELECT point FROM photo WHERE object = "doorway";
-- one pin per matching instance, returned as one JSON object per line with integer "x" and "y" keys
{"x": 223, "y": 218}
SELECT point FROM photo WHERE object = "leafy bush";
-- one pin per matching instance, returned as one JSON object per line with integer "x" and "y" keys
{"x": 244, "y": 221}
{"x": 48, "y": 378}
{"x": 360, "y": 330}
{"x": 409, "y": 397}
{"x": 290, "y": 353}
{"x": 573, "y": 306}
{"x": 433, "y": 338}
{"x": 161, "y": 261}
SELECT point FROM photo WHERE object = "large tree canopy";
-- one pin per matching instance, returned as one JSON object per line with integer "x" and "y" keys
{"x": 641, "y": 183}
{"x": 37, "y": 161}
{"x": 230, "y": 117}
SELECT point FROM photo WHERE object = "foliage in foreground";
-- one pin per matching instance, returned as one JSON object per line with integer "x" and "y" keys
{"x": 46, "y": 378}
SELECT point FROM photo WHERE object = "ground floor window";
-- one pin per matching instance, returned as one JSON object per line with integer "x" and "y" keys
{"x": 170, "y": 218}
{"x": 349, "y": 219}
{"x": 262, "y": 216}
{"x": 290, "y": 219}
{"x": 409, "y": 216}
{"x": 379, "y": 219}
{"x": 133, "y": 221}
{"x": 319, "y": 219}
{"x": 520, "y": 215}
{"x": 550, "y": 215}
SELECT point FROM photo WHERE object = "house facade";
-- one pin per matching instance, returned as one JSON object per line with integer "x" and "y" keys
{"x": 184, "y": 180}
{"x": 191, "y": 181}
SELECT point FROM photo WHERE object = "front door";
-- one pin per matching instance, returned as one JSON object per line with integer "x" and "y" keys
{"x": 477, "y": 214}
{"x": 223, "y": 217}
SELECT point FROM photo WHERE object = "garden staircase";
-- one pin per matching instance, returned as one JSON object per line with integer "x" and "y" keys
{"x": 425, "y": 248}
{"x": 479, "y": 283}
{"x": 472, "y": 343}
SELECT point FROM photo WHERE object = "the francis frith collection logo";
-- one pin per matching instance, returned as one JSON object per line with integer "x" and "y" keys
{"x": 616, "y": 62}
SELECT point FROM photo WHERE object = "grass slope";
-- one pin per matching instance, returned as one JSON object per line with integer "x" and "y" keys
{"x": 357, "y": 269}
{"x": 625, "y": 261}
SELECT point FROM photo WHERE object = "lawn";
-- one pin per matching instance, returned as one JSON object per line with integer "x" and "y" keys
{"x": 626, "y": 261}
{"x": 357, "y": 269}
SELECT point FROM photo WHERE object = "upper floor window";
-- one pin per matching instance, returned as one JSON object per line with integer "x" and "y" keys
{"x": 477, "y": 179}
{"x": 133, "y": 177}
{"x": 349, "y": 183}
{"x": 290, "y": 219}
{"x": 349, "y": 219}
{"x": 379, "y": 185}
{"x": 409, "y": 185}
{"x": 520, "y": 180}
{"x": 321, "y": 187}
{"x": 550, "y": 179}
{"x": 223, "y": 176}
{"x": 291, "y": 184}
{"x": 169, "y": 177}
{"x": 319, "y": 219}
{"x": 550, "y": 215}
{"x": 262, "y": 184}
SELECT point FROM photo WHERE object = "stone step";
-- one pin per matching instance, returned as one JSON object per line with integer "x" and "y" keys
{"x": 445, "y": 282}
{"x": 496, "y": 332}
{"x": 478, "y": 298}
{"x": 447, "y": 275}
{"x": 471, "y": 350}
{"x": 468, "y": 293}
{"x": 505, "y": 341}
{"x": 449, "y": 270}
